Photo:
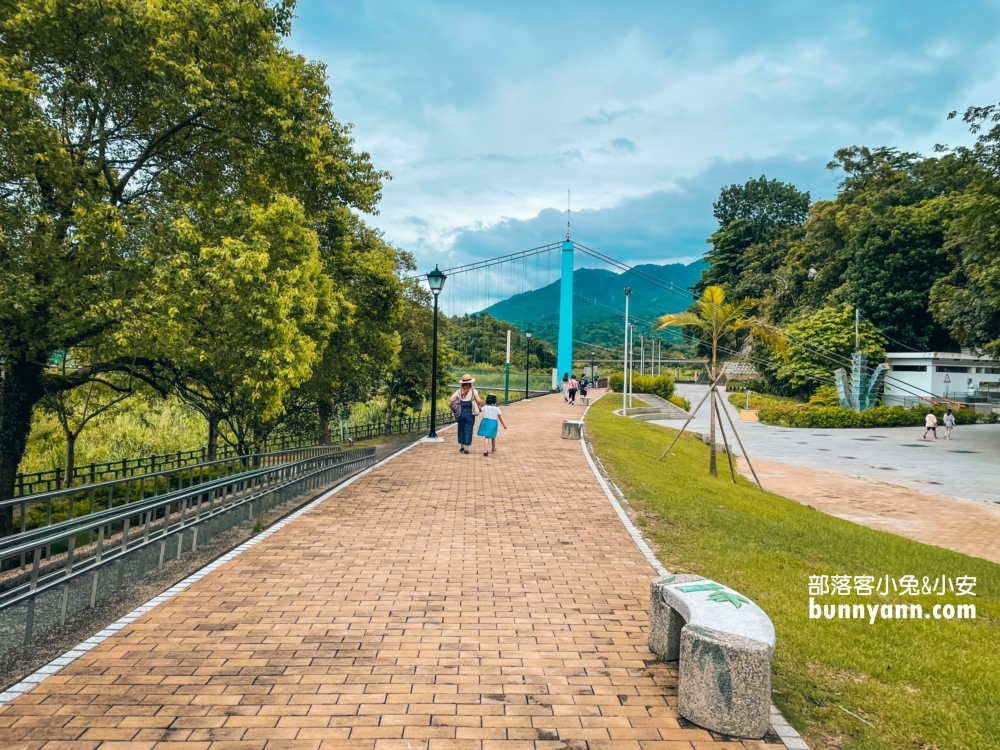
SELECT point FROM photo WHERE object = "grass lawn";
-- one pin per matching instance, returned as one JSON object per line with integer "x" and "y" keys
{"x": 927, "y": 683}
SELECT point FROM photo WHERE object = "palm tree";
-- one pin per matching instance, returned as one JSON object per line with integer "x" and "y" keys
{"x": 716, "y": 318}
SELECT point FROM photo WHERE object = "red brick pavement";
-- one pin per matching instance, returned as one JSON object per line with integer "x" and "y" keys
{"x": 443, "y": 602}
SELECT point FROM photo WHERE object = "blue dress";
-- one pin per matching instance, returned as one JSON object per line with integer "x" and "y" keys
{"x": 488, "y": 428}
{"x": 466, "y": 420}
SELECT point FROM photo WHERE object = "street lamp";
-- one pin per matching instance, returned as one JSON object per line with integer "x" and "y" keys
{"x": 435, "y": 280}
{"x": 628, "y": 292}
{"x": 527, "y": 360}
{"x": 594, "y": 379}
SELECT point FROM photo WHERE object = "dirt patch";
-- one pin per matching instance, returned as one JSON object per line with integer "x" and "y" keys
{"x": 960, "y": 525}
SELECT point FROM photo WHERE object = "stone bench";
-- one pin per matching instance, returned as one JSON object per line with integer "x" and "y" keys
{"x": 585, "y": 400}
{"x": 723, "y": 643}
{"x": 572, "y": 429}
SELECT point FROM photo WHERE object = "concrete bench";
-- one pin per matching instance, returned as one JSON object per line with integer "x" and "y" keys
{"x": 723, "y": 643}
{"x": 585, "y": 400}
{"x": 572, "y": 429}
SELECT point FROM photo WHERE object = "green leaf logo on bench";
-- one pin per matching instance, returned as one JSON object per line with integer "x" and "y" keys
{"x": 725, "y": 596}
{"x": 700, "y": 587}
{"x": 719, "y": 594}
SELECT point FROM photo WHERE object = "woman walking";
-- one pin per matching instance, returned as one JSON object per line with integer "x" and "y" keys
{"x": 469, "y": 404}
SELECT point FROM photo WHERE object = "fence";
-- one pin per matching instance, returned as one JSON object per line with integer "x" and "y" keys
{"x": 45, "y": 508}
{"x": 54, "y": 572}
{"x": 55, "y": 479}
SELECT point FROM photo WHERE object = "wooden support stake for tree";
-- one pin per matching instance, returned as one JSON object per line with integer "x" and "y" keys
{"x": 745, "y": 454}
{"x": 725, "y": 441}
{"x": 692, "y": 415}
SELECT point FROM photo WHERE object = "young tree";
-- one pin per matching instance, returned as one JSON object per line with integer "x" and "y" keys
{"x": 75, "y": 409}
{"x": 714, "y": 318}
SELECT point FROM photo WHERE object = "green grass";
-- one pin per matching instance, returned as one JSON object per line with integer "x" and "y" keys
{"x": 920, "y": 683}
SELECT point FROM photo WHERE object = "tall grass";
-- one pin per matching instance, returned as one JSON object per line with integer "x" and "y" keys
{"x": 140, "y": 426}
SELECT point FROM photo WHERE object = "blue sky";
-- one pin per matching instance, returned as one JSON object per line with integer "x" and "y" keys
{"x": 486, "y": 113}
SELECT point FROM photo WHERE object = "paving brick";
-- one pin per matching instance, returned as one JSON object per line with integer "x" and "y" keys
{"x": 442, "y": 602}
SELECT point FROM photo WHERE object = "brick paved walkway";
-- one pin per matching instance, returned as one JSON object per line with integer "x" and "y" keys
{"x": 443, "y": 602}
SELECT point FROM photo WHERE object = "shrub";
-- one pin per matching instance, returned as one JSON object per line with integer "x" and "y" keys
{"x": 660, "y": 385}
{"x": 825, "y": 395}
{"x": 681, "y": 402}
{"x": 880, "y": 416}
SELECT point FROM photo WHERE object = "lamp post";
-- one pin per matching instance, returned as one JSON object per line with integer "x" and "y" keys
{"x": 593, "y": 377}
{"x": 527, "y": 360}
{"x": 628, "y": 292}
{"x": 435, "y": 280}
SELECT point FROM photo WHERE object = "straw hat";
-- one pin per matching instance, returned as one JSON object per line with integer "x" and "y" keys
{"x": 467, "y": 378}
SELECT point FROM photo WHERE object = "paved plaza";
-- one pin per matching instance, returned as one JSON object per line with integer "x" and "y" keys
{"x": 966, "y": 467}
{"x": 441, "y": 602}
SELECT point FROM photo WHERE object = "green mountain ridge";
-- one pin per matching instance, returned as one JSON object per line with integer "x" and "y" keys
{"x": 599, "y": 303}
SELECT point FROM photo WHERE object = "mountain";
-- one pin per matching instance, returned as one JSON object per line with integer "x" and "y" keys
{"x": 599, "y": 303}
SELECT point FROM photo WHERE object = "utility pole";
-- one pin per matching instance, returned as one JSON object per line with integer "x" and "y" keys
{"x": 642, "y": 354}
{"x": 628, "y": 292}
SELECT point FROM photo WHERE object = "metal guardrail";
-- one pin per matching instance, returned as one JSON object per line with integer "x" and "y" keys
{"x": 51, "y": 573}
{"x": 45, "y": 508}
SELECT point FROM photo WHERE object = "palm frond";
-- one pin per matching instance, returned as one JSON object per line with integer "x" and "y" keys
{"x": 678, "y": 320}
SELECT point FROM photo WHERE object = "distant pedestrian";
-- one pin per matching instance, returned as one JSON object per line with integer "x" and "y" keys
{"x": 489, "y": 424}
{"x": 565, "y": 387}
{"x": 930, "y": 424}
{"x": 573, "y": 388}
{"x": 469, "y": 405}
{"x": 949, "y": 424}
{"x": 583, "y": 385}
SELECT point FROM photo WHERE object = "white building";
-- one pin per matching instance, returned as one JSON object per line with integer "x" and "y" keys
{"x": 961, "y": 377}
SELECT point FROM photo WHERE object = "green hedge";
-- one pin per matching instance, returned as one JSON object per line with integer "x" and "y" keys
{"x": 880, "y": 416}
{"x": 660, "y": 385}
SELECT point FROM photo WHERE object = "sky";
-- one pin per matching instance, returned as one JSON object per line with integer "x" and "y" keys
{"x": 486, "y": 114}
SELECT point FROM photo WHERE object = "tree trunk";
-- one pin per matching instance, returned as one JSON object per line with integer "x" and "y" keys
{"x": 712, "y": 468}
{"x": 213, "y": 435}
{"x": 20, "y": 390}
{"x": 70, "y": 458}
{"x": 388, "y": 415}
{"x": 325, "y": 409}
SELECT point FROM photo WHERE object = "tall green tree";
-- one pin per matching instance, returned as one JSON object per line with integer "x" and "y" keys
{"x": 409, "y": 380}
{"x": 967, "y": 299}
{"x": 818, "y": 344}
{"x": 119, "y": 121}
{"x": 365, "y": 344}
{"x": 751, "y": 218}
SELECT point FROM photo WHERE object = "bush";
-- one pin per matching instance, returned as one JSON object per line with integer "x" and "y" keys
{"x": 660, "y": 385}
{"x": 880, "y": 416}
{"x": 825, "y": 395}
{"x": 681, "y": 402}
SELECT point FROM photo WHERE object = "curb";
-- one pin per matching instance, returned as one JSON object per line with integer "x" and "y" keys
{"x": 779, "y": 725}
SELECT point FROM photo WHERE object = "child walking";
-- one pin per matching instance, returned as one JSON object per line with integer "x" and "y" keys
{"x": 488, "y": 424}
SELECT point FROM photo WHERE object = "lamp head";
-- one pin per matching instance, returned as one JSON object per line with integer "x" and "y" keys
{"x": 435, "y": 280}
{"x": 527, "y": 334}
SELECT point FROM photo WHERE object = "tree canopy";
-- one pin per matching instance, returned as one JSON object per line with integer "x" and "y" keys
{"x": 176, "y": 203}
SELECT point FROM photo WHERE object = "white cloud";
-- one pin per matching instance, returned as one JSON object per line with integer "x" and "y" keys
{"x": 485, "y": 120}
